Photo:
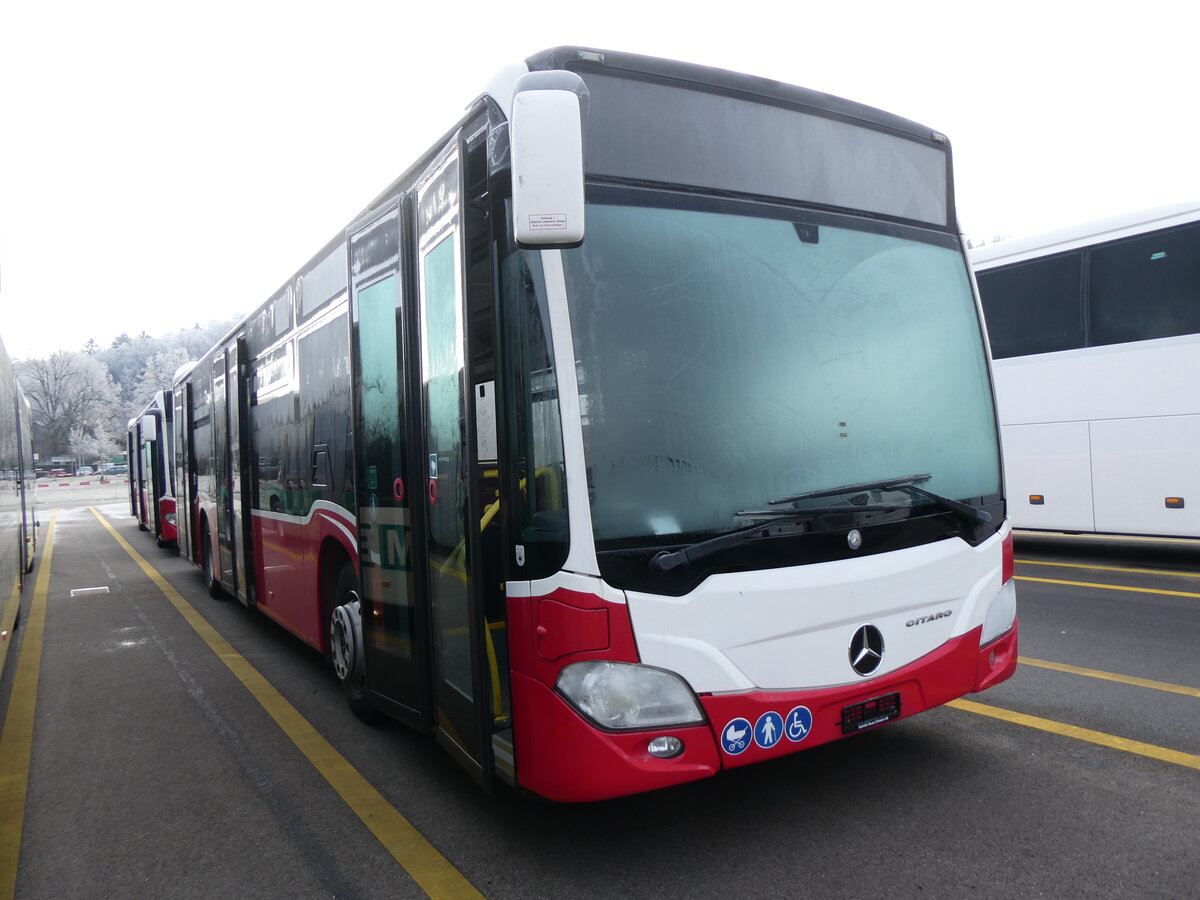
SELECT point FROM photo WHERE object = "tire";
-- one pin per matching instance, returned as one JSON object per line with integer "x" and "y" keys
{"x": 346, "y": 644}
{"x": 210, "y": 577}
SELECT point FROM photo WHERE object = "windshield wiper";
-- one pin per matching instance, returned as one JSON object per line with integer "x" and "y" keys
{"x": 973, "y": 514}
{"x": 908, "y": 485}
{"x": 666, "y": 560}
{"x": 890, "y": 484}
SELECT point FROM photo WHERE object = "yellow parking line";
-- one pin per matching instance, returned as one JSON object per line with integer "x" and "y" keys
{"x": 1103, "y": 538}
{"x": 1107, "y": 587}
{"x": 1063, "y": 565}
{"x": 16, "y": 745}
{"x": 1111, "y": 676}
{"x": 429, "y": 869}
{"x": 1189, "y": 760}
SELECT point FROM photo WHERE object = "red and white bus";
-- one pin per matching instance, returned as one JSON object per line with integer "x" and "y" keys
{"x": 151, "y": 469}
{"x": 643, "y": 428}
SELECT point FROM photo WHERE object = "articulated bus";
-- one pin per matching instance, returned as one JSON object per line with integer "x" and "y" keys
{"x": 152, "y": 469}
{"x": 643, "y": 428}
{"x": 1095, "y": 331}
{"x": 18, "y": 507}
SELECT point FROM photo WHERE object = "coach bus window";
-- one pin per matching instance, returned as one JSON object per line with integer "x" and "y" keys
{"x": 1034, "y": 307}
{"x": 1146, "y": 287}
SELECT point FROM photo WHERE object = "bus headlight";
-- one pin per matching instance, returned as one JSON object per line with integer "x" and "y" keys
{"x": 628, "y": 696}
{"x": 1000, "y": 614}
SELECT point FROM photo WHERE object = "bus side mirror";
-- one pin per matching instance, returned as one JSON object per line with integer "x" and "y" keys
{"x": 546, "y": 141}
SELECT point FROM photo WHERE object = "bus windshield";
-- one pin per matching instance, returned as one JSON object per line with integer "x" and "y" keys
{"x": 728, "y": 359}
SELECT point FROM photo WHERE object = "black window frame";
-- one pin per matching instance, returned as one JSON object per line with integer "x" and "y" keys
{"x": 1092, "y": 334}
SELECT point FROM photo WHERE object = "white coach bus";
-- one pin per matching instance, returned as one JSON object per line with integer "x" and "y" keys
{"x": 1095, "y": 333}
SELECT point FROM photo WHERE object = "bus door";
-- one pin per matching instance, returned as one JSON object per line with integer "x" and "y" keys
{"x": 454, "y": 289}
{"x": 151, "y": 470}
{"x": 223, "y": 472}
{"x": 131, "y": 459}
{"x": 392, "y": 621}
{"x": 240, "y": 494}
{"x": 181, "y": 445}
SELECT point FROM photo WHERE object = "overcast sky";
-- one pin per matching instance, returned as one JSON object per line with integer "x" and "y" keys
{"x": 163, "y": 164}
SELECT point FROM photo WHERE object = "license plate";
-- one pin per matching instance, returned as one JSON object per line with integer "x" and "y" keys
{"x": 870, "y": 713}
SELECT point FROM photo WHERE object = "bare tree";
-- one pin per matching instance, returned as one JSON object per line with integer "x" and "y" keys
{"x": 89, "y": 448}
{"x": 97, "y": 391}
{"x": 68, "y": 391}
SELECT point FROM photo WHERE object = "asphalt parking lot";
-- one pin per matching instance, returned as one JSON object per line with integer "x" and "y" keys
{"x": 157, "y": 769}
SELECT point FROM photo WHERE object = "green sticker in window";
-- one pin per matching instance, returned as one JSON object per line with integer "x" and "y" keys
{"x": 372, "y": 479}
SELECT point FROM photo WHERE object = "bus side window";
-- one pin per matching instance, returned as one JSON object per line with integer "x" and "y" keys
{"x": 534, "y": 419}
{"x": 320, "y": 466}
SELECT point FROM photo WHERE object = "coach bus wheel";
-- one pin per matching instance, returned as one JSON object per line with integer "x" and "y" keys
{"x": 346, "y": 645}
{"x": 210, "y": 576}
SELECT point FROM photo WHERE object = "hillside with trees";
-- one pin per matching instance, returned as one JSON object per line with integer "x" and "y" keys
{"x": 82, "y": 401}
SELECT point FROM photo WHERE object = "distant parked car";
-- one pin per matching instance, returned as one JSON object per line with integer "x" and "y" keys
{"x": 59, "y": 473}
{"x": 85, "y": 470}
{"x": 116, "y": 470}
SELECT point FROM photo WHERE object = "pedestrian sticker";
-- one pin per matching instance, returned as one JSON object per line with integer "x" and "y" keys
{"x": 798, "y": 725}
{"x": 768, "y": 730}
{"x": 736, "y": 736}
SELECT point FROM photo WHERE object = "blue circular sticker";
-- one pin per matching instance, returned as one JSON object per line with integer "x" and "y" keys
{"x": 768, "y": 730}
{"x": 798, "y": 724}
{"x": 736, "y": 736}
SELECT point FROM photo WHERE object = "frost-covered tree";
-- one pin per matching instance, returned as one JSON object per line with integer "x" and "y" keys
{"x": 68, "y": 392}
{"x": 99, "y": 390}
{"x": 159, "y": 374}
{"x": 89, "y": 449}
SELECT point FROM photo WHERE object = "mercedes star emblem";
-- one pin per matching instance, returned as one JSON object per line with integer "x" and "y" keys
{"x": 866, "y": 650}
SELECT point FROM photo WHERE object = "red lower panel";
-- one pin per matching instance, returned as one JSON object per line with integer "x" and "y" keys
{"x": 166, "y": 507}
{"x": 287, "y": 554}
{"x": 562, "y": 757}
{"x": 997, "y": 661}
{"x": 809, "y": 718}
{"x": 284, "y": 589}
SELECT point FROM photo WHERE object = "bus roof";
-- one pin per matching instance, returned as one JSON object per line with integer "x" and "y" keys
{"x": 590, "y": 59}
{"x": 1083, "y": 235}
